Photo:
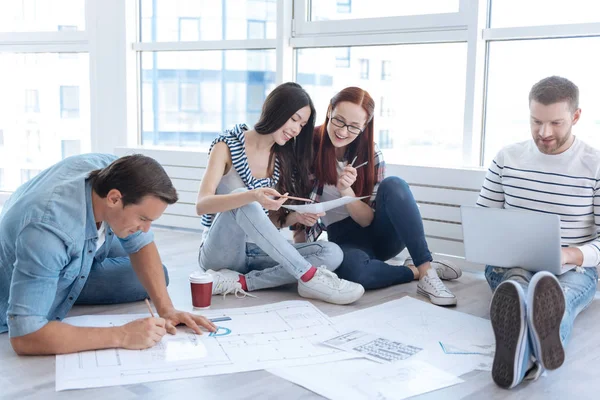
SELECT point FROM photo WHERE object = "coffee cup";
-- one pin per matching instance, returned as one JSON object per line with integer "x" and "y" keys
{"x": 201, "y": 285}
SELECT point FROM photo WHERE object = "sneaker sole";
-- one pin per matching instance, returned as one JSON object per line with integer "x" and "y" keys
{"x": 438, "y": 301}
{"x": 547, "y": 311}
{"x": 351, "y": 300}
{"x": 452, "y": 268}
{"x": 507, "y": 314}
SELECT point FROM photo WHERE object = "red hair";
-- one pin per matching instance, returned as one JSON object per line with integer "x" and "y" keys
{"x": 363, "y": 147}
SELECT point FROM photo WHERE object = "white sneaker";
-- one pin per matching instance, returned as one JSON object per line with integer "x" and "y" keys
{"x": 445, "y": 269}
{"x": 226, "y": 281}
{"x": 326, "y": 286}
{"x": 431, "y": 286}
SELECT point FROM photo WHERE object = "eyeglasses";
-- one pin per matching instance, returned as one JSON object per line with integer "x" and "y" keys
{"x": 341, "y": 124}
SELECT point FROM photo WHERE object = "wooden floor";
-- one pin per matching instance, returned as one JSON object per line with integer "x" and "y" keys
{"x": 33, "y": 377}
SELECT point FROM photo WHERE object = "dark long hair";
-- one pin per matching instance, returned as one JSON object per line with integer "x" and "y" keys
{"x": 363, "y": 147}
{"x": 295, "y": 157}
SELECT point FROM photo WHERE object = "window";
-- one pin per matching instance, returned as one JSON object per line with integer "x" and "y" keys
{"x": 32, "y": 102}
{"x": 195, "y": 95}
{"x": 34, "y": 79}
{"x": 1, "y": 183}
{"x": 70, "y": 148}
{"x": 431, "y": 133}
{"x": 41, "y": 15}
{"x": 69, "y": 102}
{"x": 350, "y": 9}
{"x": 171, "y": 20}
{"x": 189, "y": 29}
{"x": 344, "y": 6}
{"x": 189, "y": 97}
{"x": 386, "y": 70}
{"x": 27, "y": 174}
{"x": 364, "y": 68}
{"x": 257, "y": 29}
{"x": 67, "y": 28}
{"x": 542, "y": 12}
{"x": 385, "y": 139}
{"x": 507, "y": 112}
{"x": 342, "y": 60}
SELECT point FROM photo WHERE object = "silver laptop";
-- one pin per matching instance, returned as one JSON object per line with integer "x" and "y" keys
{"x": 510, "y": 238}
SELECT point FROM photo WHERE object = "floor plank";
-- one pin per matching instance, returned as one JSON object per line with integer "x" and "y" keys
{"x": 33, "y": 377}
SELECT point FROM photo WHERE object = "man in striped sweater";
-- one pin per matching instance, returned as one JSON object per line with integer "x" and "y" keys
{"x": 532, "y": 314}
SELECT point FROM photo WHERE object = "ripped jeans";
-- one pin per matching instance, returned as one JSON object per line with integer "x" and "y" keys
{"x": 578, "y": 285}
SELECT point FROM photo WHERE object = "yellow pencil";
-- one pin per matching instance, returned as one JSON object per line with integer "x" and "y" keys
{"x": 149, "y": 308}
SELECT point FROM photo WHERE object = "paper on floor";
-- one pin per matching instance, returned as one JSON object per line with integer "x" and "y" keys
{"x": 270, "y": 336}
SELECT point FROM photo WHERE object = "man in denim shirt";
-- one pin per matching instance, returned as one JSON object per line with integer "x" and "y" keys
{"x": 57, "y": 248}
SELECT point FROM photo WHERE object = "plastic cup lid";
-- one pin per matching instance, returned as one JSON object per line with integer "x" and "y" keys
{"x": 200, "y": 277}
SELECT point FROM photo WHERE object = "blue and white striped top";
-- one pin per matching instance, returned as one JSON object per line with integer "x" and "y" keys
{"x": 235, "y": 140}
{"x": 566, "y": 184}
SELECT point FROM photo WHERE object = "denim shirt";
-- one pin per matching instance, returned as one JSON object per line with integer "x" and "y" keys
{"x": 48, "y": 239}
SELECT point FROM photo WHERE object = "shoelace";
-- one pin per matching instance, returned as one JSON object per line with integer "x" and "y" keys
{"x": 234, "y": 289}
{"x": 330, "y": 276}
{"x": 438, "y": 285}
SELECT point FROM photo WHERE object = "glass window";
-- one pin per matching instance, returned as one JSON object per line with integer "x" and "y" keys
{"x": 1, "y": 183}
{"x": 69, "y": 101}
{"x": 32, "y": 101}
{"x": 427, "y": 125}
{"x": 385, "y": 139}
{"x": 27, "y": 174}
{"x": 41, "y": 15}
{"x": 190, "y": 97}
{"x": 220, "y": 19}
{"x": 342, "y": 59}
{"x": 32, "y": 141}
{"x": 323, "y": 10}
{"x": 71, "y": 148}
{"x": 509, "y": 83}
{"x": 189, "y": 29}
{"x": 386, "y": 70}
{"x": 364, "y": 68}
{"x": 543, "y": 12}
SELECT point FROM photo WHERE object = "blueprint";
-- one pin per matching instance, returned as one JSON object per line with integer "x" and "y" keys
{"x": 271, "y": 336}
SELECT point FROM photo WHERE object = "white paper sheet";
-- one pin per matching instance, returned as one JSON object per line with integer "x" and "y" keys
{"x": 406, "y": 320}
{"x": 365, "y": 380}
{"x": 316, "y": 208}
{"x": 372, "y": 347}
{"x": 271, "y": 336}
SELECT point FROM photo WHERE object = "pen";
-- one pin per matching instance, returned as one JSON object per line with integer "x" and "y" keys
{"x": 361, "y": 165}
{"x": 149, "y": 308}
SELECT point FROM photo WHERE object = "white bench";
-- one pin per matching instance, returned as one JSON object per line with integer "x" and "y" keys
{"x": 438, "y": 191}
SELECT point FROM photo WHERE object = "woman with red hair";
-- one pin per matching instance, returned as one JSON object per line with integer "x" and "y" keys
{"x": 371, "y": 231}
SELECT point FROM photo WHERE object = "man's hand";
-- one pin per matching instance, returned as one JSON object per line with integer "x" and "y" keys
{"x": 142, "y": 333}
{"x": 571, "y": 256}
{"x": 175, "y": 317}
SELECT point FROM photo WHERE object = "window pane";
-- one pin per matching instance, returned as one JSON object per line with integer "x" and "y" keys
{"x": 36, "y": 88}
{"x": 190, "y": 97}
{"x": 507, "y": 111}
{"x": 42, "y": 15}
{"x": 420, "y": 104}
{"x": 185, "y": 20}
{"x": 543, "y": 12}
{"x": 323, "y": 10}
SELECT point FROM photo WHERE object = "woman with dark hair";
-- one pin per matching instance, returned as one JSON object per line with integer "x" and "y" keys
{"x": 371, "y": 231}
{"x": 240, "y": 201}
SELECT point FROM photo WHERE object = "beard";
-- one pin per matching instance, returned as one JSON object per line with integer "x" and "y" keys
{"x": 554, "y": 146}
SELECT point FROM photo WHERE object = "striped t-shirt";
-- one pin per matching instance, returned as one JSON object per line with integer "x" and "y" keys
{"x": 566, "y": 184}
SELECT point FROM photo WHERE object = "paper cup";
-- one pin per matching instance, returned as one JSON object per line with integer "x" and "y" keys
{"x": 201, "y": 285}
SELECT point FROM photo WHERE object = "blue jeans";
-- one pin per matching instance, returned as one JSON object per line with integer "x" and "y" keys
{"x": 113, "y": 280}
{"x": 579, "y": 289}
{"x": 397, "y": 224}
{"x": 268, "y": 259}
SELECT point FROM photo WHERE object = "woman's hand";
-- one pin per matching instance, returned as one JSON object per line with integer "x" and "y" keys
{"x": 266, "y": 197}
{"x": 346, "y": 180}
{"x": 306, "y": 219}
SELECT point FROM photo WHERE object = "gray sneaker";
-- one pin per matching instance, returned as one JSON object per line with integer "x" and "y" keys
{"x": 326, "y": 286}
{"x": 446, "y": 270}
{"x": 432, "y": 287}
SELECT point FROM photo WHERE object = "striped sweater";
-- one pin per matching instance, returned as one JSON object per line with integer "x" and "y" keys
{"x": 566, "y": 184}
